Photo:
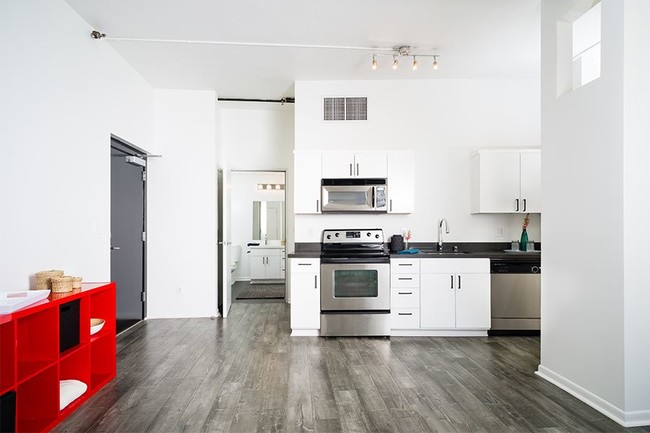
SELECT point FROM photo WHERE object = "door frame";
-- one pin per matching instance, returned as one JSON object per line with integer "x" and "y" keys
{"x": 284, "y": 171}
{"x": 131, "y": 149}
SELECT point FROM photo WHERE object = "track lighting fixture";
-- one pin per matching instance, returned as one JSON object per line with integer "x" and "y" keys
{"x": 404, "y": 51}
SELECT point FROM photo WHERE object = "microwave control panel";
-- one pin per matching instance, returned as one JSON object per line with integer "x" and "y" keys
{"x": 380, "y": 197}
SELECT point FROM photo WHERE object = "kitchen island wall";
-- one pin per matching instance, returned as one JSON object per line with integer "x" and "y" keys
{"x": 443, "y": 122}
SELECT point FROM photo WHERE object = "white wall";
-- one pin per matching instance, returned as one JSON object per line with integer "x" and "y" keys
{"x": 259, "y": 136}
{"x": 594, "y": 183}
{"x": 63, "y": 94}
{"x": 637, "y": 204}
{"x": 182, "y": 206}
{"x": 244, "y": 192}
{"x": 443, "y": 122}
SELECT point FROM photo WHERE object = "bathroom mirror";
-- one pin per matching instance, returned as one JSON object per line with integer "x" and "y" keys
{"x": 268, "y": 219}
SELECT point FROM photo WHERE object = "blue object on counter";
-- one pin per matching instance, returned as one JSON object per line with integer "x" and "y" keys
{"x": 410, "y": 251}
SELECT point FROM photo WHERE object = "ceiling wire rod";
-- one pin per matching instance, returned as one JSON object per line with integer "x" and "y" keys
{"x": 248, "y": 44}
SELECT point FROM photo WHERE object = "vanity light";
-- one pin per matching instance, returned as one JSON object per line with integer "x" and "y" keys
{"x": 435, "y": 62}
{"x": 395, "y": 63}
{"x": 374, "y": 62}
{"x": 270, "y": 186}
{"x": 415, "y": 64}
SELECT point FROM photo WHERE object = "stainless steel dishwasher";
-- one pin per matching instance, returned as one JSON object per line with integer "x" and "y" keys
{"x": 515, "y": 299}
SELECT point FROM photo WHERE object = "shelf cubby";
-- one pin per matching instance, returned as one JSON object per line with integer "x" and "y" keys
{"x": 37, "y": 342}
{"x": 37, "y": 401}
{"x": 7, "y": 360}
{"x": 102, "y": 306}
{"x": 102, "y": 359}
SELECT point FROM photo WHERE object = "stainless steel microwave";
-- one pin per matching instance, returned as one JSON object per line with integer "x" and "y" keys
{"x": 354, "y": 195}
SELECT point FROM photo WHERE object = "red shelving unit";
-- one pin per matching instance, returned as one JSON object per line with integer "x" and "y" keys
{"x": 32, "y": 365}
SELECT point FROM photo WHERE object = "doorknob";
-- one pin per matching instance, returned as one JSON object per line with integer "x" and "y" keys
{"x": 115, "y": 248}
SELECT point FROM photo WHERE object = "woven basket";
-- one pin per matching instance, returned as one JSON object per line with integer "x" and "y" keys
{"x": 61, "y": 284}
{"x": 43, "y": 279}
{"x": 76, "y": 282}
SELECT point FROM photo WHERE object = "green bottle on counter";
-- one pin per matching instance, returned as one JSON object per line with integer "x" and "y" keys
{"x": 523, "y": 242}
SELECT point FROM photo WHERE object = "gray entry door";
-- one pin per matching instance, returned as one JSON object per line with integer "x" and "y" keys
{"x": 127, "y": 228}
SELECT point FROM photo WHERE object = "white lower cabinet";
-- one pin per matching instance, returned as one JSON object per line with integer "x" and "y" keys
{"x": 454, "y": 296}
{"x": 304, "y": 284}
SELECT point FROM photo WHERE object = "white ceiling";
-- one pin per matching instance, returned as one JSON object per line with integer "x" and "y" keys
{"x": 474, "y": 38}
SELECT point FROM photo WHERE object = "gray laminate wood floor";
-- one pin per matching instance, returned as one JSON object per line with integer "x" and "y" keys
{"x": 246, "y": 374}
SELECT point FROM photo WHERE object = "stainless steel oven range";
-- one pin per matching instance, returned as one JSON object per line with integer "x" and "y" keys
{"x": 355, "y": 283}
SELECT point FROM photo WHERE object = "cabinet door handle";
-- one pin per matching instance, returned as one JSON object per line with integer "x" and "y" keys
{"x": 452, "y": 281}
{"x": 315, "y": 281}
{"x": 405, "y": 278}
{"x": 357, "y": 169}
{"x": 517, "y": 204}
{"x": 391, "y": 205}
{"x": 459, "y": 285}
{"x": 317, "y": 205}
{"x": 405, "y": 264}
{"x": 524, "y": 202}
{"x": 350, "y": 169}
{"x": 304, "y": 264}
{"x": 404, "y": 314}
{"x": 404, "y": 293}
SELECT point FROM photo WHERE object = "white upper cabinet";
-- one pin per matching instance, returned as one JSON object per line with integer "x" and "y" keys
{"x": 401, "y": 182}
{"x": 531, "y": 181}
{"x": 307, "y": 177}
{"x": 506, "y": 181}
{"x": 339, "y": 165}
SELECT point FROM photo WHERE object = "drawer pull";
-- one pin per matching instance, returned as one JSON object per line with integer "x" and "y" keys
{"x": 404, "y": 314}
{"x": 405, "y": 264}
{"x": 304, "y": 264}
{"x": 406, "y": 278}
{"x": 404, "y": 293}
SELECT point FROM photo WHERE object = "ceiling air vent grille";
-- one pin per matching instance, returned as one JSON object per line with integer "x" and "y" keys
{"x": 345, "y": 108}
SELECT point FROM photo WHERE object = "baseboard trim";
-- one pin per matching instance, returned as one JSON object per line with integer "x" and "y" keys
{"x": 437, "y": 333}
{"x": 305, "y": 333}
{"x": 626, "y": 419}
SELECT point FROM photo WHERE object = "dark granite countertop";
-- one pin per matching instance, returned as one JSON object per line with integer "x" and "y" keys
{"x": 490, "y": 250}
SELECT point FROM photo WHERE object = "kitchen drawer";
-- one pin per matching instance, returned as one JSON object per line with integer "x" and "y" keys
{"x": 404, "y": 280}
{"x": 305, "y": 266}
{"x": 455, "y": 266}
{"x": 405, "y": 298}
{"x": 404, "y": 266}
{"x": 405, "y": 319}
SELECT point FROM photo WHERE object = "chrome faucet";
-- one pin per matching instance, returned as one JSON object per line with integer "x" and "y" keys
{"x": 444, "y": 220}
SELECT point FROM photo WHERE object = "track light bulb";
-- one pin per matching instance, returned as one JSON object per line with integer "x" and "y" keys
{"x": 415, "y": 64}
{"x": 374, "y": 62}
{"x": 435, "y": 62}
{"x": 395, "y": 63}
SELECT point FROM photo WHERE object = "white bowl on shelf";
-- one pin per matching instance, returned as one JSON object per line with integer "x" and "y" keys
{"x": 96, "y": 325}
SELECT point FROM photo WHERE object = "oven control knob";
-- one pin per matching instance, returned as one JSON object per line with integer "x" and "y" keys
{"x": 329, "y": 236}
{"x": 377, "y": 236}
{"x": 534, "y": 269}
{"x": 336, "y": 234}
{"x": 368, "y": 234}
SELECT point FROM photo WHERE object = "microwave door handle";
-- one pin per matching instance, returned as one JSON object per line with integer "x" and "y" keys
{"x": 372, "y": 198}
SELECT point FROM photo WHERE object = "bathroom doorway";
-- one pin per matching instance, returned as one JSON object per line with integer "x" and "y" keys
{"x": 258, "y": 236}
